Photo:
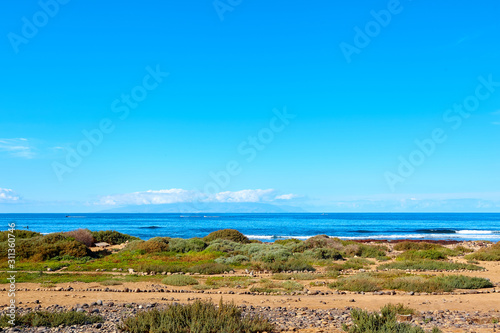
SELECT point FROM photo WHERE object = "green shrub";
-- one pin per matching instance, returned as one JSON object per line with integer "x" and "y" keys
{"x": 46, "y": 247}
{"x": 323, "y": 241}
{"x": 216, "y": 282}
{"x": 180, "y": 245}
{"x": 223, "y": 245}
{"x": 491, "y": 253}
{"x": 134, "y": 245}
{"x": 295, "y": 276}
{"x": 429, "y": 265}
{"x": 324, "y": 253}
{"x": 364, "y": 251}
{"x": 352, "y": 263}
{"x": 268, "y": 286}
{"x": 112, "y": 237}
{"x": 179, "y": 280}
{"x": 416, "y": 283}
{"x": 210, "y": 268}
{"x": 272, "y": 255}
{"x": 52, "y": 319}
{"x": 385, "y": 322}
{"x": 284, "y": 266}
{"x": 400, "y": 309}
{"x": 20, "y": 234}
{"x": 405, "y": 246}
{"x": 235, "y": 260}
{"x": 198, "y": 317}
{"x": 431, "y": 254}
{"x": 452, "y": 282}
{"x": 288, "y": 241}
{"x": 154, "y": 245}
{"x": 228, "y": 234}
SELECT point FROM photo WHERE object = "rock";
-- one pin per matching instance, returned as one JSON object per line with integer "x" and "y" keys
{"x": 99, "y": 302}
{"x": 400, "y": 317}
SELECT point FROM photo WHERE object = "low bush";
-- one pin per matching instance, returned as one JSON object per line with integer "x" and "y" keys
{"x": 272, "y": 254}
{"x": 323, "y": 241}
{"x": 294, "y": 276}
{"x": 52, "y": 319}
{"x": 384, "y": 322}
{"x": 223, "y": 245}
{"x": 112, "y": 237}
{"x": 353, "y": 263}
{"x": 364, "y": 251}
{"x": 285, "y": 266}
{"x": 405, "y": 246}
{"x": 429, "y": 265}
{"x": 82, "y": 235}
{"x": 47, "y": 247}
{"x": 217, "y": 282}
{"x": 417, "y": 283}
{"x": 491, "y": 253}
{"x": 198, "y": 317}
{"x": 19, "y": 234}
{"x": 180, "y": 245}
{"x": 288, "y": 241}
{"x": 235, "y": 260}
{"x": 324, "y": 253}
{"x": 431, "y": 254}
{"x": 452, "y": 282}
{"x": 268, "y": 286}
{"x": 228, "y": 234}
{"x": 179, "y": 280}
{"x": 154, "y": 245}
{"x": 210, "y": 268}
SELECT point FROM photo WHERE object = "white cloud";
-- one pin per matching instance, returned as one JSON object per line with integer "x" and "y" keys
{"x": 17, "y": 147}
{"x": 244, "y": 196}
{"x": 287, "y": 196}
{"x": 152, "y": 197}
{"x": 8, "y": 196}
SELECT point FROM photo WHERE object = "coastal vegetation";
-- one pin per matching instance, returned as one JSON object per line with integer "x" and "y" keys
{"x": 370, "y": 282}
{"x": 198, "y": 317}
{"x": 52, "y": 319}
{"x": 348, "y": 265}
{"x": 383, "y": 322}
{"x": 488, "y": 254}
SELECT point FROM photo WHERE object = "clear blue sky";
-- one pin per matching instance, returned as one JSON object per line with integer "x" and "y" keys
{"x": 355, "y": 114}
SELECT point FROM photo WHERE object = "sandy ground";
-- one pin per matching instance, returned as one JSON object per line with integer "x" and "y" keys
{"x": 488, "y": 301}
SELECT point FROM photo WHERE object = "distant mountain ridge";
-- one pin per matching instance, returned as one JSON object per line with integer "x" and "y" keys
{"x": 207, "y": 207}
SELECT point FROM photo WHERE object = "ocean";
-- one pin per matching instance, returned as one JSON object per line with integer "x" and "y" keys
{"x": 269, "y": 227}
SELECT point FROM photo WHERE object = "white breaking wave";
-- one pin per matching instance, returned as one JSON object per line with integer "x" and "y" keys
{"x": 462, "y": 234}
{"x": 478, "y": 232}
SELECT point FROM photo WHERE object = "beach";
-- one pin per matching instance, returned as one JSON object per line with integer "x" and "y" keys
{"x": 318, "y": 307}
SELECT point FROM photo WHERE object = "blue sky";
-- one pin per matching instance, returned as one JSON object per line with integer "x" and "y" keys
{"x": 333, "y": 130}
